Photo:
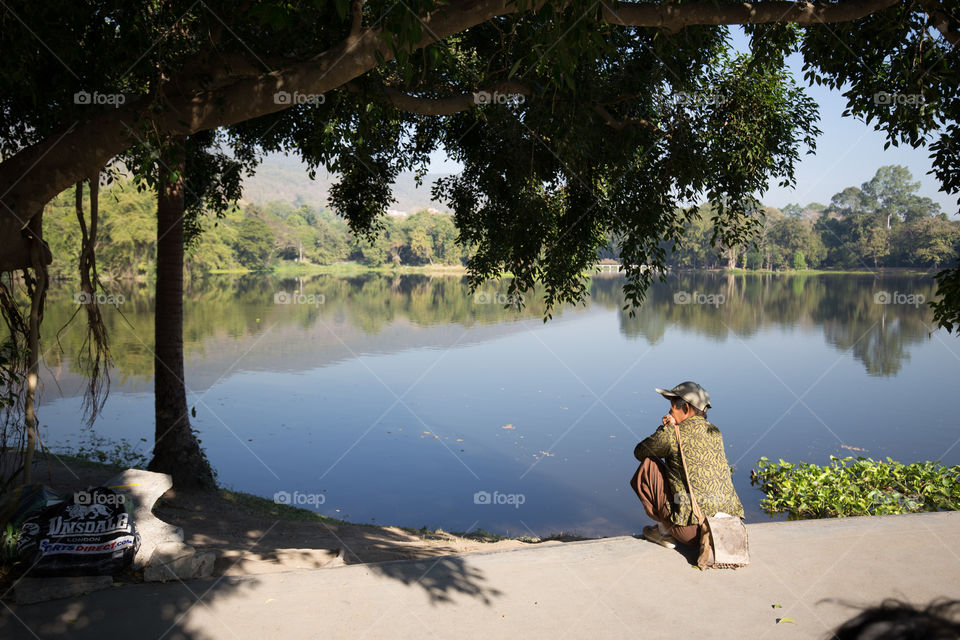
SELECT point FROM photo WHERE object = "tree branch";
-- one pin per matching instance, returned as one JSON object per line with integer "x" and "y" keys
{"x": 674, "y": 17}
{"x": 356, "y": 18}
{"x": 942, "y": 20}
{"x": 35, "y": 175}
{"x": 620, "y": 125}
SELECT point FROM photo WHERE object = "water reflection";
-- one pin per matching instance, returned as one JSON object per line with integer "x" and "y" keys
{"x": 850, "y": 311}
{"x": 877, "y": 318}
{"x": 331, "y": 384}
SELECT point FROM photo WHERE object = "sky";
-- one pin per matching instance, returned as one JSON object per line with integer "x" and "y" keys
{"x": 848, "y": 153}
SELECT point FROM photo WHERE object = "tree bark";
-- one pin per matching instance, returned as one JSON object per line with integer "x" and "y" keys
{"x": 176, "y": 450}
{"x": 942, "y": 20}
{"x": 732, "y": 256}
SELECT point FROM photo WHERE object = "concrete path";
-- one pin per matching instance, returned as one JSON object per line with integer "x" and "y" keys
{"x": 611, "y": 588}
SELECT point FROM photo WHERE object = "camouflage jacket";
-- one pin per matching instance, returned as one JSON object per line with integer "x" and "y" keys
{"x": 707, "y": 462}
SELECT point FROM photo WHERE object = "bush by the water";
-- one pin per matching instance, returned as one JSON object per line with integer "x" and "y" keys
{"x": 861, "y": 487}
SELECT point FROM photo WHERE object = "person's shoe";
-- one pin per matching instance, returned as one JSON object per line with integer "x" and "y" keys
{"x": 652, "y": 533}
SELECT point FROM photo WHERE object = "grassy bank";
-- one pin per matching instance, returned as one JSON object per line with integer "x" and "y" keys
{"x": 290, "y": 269}
{"x": 293, "y": 269}
{"x": 815, "y": 272}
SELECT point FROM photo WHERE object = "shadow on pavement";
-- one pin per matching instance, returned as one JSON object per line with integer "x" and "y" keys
{"x": 250, "y": 544}
{"x": 441, "y": 578}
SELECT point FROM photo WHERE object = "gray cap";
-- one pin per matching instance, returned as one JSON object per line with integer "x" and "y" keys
{"x": 689, "y": 391}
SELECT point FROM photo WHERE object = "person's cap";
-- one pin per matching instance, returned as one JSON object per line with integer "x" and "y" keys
{"x": 690, "y": 392}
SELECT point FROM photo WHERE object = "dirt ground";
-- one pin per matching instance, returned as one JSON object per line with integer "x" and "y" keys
{"x": 252, "y": 537}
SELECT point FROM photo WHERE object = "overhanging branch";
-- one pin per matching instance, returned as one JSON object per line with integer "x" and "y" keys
{"x": 35, "y": 175}
{"x": 942, "y": 20}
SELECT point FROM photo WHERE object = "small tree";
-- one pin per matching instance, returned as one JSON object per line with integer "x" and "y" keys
{"x": 254, "y": 244}
{"x": 799, "y": 262}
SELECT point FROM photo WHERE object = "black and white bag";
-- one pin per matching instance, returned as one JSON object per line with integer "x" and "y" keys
{"x": 90, "y": 533}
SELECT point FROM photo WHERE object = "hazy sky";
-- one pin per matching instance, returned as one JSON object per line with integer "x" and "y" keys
{"x": 848, "y": 153}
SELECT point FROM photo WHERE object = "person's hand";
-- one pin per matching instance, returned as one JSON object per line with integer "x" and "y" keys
{"x": 668, "y": 420}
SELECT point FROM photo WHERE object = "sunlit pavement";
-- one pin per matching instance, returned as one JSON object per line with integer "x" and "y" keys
{"x": 611, "y": 588}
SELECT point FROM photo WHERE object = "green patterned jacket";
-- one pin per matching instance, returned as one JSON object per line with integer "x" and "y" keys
{"x": 707, "y": 462}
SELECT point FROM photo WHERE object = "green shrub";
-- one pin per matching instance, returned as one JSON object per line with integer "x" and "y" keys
{"x": 8, "y": 544}
{"x": 799, "y": 261}
{"x": 860, "y": 488}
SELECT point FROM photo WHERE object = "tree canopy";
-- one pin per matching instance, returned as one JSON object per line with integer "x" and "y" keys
{"x": 573, "y": 120}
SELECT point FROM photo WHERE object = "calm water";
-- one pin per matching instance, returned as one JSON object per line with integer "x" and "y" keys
{"x": 402, "y": 400}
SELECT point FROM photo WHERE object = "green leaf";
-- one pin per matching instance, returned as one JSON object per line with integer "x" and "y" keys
{"x": 513, "y": 69}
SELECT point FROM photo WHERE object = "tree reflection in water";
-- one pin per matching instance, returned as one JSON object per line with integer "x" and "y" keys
{"x": 848, "y": 308}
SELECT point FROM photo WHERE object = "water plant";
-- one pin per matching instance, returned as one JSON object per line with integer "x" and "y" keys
{"x": 855, "y": 487}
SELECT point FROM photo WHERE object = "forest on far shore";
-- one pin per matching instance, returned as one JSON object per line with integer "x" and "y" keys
{"x": 883, "y": 223}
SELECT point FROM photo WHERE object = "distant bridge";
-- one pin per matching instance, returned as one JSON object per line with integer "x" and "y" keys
{"x": 615, "y": 267}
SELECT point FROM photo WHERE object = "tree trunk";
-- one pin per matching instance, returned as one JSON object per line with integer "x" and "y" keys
{"x": 732, "y": 256}
{"x": 176, "y": 450}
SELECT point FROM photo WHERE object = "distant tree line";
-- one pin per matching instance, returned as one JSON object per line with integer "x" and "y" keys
{"x": 256, "y": 237}
{"x": 884, "y": 223}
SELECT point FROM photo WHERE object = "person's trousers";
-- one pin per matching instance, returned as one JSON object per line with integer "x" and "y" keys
{"x": 650, "y": 485}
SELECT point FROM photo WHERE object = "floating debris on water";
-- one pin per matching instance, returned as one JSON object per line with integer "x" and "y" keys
{"x": 846, "y": 446}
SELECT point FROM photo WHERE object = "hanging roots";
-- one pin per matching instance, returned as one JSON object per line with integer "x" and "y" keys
{"x": 13, "y": 377}
{"x": 17, "y": 397}
{"x": 94, "y": 355}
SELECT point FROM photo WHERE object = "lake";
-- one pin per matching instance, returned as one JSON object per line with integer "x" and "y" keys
{"x": 408, "y": 401}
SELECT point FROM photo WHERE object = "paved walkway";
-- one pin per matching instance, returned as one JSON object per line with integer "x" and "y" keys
{"x": 611, "y": 588}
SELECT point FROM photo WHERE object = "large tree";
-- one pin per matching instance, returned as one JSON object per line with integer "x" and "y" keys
{"x": 183, "y": 69}
{"x": 893, "y": 193}
{"x": 191, "y": 176}
{"x": 575, "y": 121}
